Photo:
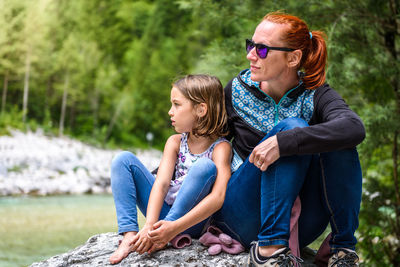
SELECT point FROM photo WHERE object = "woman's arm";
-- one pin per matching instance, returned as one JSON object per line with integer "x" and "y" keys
{"x": 335, "y": 126}
{"x": 160, "y": 188}
{"x": 166, "y": 230}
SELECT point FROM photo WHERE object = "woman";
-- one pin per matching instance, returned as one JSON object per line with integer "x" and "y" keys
{"x": 292, "y": 135}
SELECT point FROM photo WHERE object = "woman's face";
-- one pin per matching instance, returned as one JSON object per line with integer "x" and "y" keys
{"x": 274, "y": 66}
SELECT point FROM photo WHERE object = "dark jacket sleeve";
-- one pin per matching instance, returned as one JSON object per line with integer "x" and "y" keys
{"x": 228, "y": 107}
{"x": 334, "y": 126}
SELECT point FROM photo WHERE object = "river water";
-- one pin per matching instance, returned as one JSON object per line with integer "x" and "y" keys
{"x": 36, "y": 228}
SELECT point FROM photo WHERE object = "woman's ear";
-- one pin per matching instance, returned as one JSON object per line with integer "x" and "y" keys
{"x": 294, "y": 58}
{"x": 201, "y": 110}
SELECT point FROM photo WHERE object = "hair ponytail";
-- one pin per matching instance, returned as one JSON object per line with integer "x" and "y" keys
{"x": 312, "y": 44}
{"x": 315, "y": 61}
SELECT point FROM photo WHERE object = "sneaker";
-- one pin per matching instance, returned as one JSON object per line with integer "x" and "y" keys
{"x": 282, "y": 257}
{"x": 343, "y": 258}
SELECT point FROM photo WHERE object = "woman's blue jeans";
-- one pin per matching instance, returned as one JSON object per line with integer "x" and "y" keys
{"x": 258, "y": 204}
{"x": 131, "y": 184}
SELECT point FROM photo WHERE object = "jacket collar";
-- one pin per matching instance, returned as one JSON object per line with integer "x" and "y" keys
{"x": 254, "y": 87}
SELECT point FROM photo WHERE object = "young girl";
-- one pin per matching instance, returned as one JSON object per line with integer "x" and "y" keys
{"x": 199, "y": 160}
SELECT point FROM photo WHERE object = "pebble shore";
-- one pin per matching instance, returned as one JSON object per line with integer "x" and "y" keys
{"x": 34, "y": 164}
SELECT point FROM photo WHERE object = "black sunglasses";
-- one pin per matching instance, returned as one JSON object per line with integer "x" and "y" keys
{"x": 262, "y": 49}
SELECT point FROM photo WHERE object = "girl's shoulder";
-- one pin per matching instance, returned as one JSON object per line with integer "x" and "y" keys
{"x": 175, "y": 138}
{"x": 222, "y": 143}
{"x": 221, "y": 140}
{"x": 222, "y": 149}
{"x": 173, "y": 142}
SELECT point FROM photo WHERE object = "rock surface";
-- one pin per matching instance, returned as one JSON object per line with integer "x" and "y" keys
{"x": 34, "y": 164}
{"x": 97, "y": 250}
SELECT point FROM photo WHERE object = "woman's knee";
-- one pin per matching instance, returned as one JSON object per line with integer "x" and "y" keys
{"x": 291, "y": 123}
{"x": 348, "y": 155}
{"x": 287, "y": 124}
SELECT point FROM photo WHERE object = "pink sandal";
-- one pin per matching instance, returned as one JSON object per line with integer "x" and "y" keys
{"x": 181, "y": 241}
{"x": 218, "y": 241}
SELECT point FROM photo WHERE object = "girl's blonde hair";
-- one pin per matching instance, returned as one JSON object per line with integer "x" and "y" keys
{"x": 206, "y": 89}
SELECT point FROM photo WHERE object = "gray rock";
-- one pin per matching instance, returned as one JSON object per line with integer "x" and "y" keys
{"x": 34, "y": 164}
{"x": 97, "y": 250}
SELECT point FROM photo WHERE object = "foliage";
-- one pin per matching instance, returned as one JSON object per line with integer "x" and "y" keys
{"x": 11, "y": 119}
{"x": 367, "y": 64}
{"x": 102, "y": 71}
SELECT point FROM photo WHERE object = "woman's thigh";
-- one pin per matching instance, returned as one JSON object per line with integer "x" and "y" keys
{"x": 331, "y": 193}
{"x": 314, "y": 217}
{"x": 240, "y": 213}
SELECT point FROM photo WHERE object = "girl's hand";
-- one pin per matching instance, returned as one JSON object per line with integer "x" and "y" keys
{"x": 141, "y": 242}
{"x": 163, "y": 232}
{"x": 265, "y": 153}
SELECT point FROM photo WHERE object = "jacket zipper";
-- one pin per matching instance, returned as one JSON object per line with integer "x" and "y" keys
{"x": 276, "y": 106}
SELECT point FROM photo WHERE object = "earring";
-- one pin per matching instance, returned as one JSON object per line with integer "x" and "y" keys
{"x": 300, "y": 74}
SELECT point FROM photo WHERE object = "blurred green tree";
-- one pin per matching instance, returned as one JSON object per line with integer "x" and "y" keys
{"x": 364, "y": 66}
{"x": 12, "y": 14}
{"x": 102, "y": 71}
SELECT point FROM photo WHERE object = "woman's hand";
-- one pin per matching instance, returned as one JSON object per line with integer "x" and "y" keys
{"x": 141, "y": 241}
{"x": 265, "y": 153}
{"x": 163, "y": 232}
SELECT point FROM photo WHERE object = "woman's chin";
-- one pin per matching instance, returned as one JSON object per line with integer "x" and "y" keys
{"x": 255, "y": 78}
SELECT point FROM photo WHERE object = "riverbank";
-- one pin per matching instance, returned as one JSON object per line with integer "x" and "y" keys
{"x": 34, "y": 164}
{"x": 36, "y": 228}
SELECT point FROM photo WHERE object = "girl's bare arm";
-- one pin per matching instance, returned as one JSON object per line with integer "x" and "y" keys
{"x": 160, "y": 188}
{"x": 166, "y": 230}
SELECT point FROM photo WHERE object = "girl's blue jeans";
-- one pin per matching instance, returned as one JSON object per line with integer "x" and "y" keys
{"x": 131, "y": 184}
{"x": 258, "y": 203}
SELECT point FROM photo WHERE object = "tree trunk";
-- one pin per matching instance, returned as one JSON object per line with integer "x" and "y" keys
{"x": 72, "y": 115}
{"x": 63, "y": 105}
{"x": 113, "y": 120}
{"x": 48, "y": 93}
{"x": 4, "y": 95}
{"x": 95, "y": 105}
{"x": 26, "y": 86}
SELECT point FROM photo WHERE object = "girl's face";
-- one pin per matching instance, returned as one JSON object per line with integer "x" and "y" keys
{"x": 182, "y": 113}
{"x": 274, "y": 66}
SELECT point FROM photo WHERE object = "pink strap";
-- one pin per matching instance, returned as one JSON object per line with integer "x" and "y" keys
{"x": 294, "y": 228}
{"x": 324, "y": 252}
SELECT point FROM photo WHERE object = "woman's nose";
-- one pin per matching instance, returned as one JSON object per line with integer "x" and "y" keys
{"x": 252, "y": 55}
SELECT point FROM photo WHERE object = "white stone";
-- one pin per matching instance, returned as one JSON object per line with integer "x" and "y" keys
{"x": 32, "y": 163}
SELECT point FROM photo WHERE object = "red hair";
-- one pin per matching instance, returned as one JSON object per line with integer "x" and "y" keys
{"x": 312, "y": 44}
